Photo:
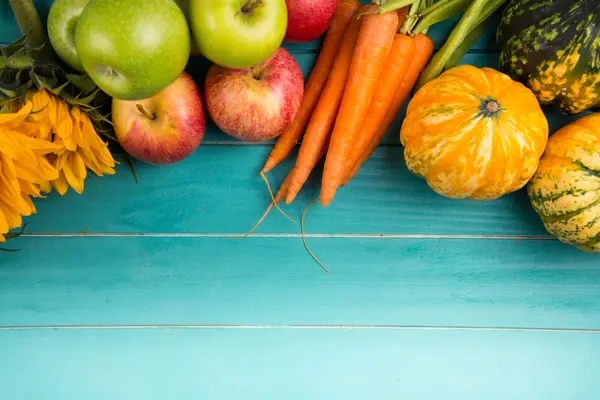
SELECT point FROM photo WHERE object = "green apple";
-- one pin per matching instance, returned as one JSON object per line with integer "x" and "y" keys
{"x": 238, "y": 33}
{"x": 185, "y": 7}
{"x": 62, "y": 20}
{"x": 132, "y": 49}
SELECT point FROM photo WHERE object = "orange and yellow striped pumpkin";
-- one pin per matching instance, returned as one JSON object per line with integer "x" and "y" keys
{"x": 474, "y": 133}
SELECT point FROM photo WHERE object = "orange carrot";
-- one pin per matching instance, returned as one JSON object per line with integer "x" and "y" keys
{"x": 283, "y": 190}
{"x": 323, "y": 117}
{"x": 280, "y": 196}
{"x": 395, "y": 68}
{"x": 287, "y": 140}
{"x": 402, "y": 14}
{"x": 423, "y": 51}
{"x": 374, "y": 41}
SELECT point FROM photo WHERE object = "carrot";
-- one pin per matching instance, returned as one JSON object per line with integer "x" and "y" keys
{"x": 287, "y": 140}
{"x": 323, "y": 117}
{"x": 423, "y": 51}
{"x": 284, "y": 190}
{"x": 396, "y": 66}
{"x": 373, "y": 45}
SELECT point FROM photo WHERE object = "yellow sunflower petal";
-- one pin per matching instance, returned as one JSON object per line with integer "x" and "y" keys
{"x": 90, "y": 160}
{"x": 29, "y": 189}
{"x": 29, "y": 202}
{"x": 90, "y": 137}
{"x": 46, "y": 187}
{"x": 75, "y": 181}
{"x": 78, "y": 165}
{"x": 3, "y": 226}
{"x": 105, "y": 157}
{"x": 65, "y": 131}
{"x": 78, "y": 134}
{"x": 60, "y": 184}
{"x": 36, "y": 173}
{"x": 7, "y": 167}
{"x": 14, "y": 119}
{"x": 11, "y": 198}
{"x": 12, "y": 145}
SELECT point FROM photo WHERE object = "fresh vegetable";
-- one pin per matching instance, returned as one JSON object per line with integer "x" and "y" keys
{"x": 323, "y": 117}
{"x": 373, "y": 45}
{"x": 314, "y": 86}
{"x": 554, "y": 48}
{"x": 565, "y": 190}
{"x": 474, "y": 133}
{"x": 423, "y": 49}
{"x": 360, "y": 119}
{"x": 475, "y": 15}
{"x": 396, "y": 67}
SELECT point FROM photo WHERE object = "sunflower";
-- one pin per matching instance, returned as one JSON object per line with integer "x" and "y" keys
{"x": 80, "y": 147}
{"x": 23, "y": 167}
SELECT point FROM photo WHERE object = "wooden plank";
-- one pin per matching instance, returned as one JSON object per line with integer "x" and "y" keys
{"x": 219, "y": 190}
{"x": 297, "y": 364}
{"x": 202, "y": 280}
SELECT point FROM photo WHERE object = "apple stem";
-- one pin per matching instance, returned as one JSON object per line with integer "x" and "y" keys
{"x": 29, "y": 21}
{"x": 250, "y": 4}
{"x": 145, "y": 113}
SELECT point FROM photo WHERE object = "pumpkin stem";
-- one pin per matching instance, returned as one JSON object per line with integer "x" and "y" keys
{"x": 492, "y": 107}
{"x": 489, "y": 108}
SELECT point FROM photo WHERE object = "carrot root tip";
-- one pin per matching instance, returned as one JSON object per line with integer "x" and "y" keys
{"x": 258, "y": 223}
{"x": 304, "y": 237}
{"x": 264, "y": 177}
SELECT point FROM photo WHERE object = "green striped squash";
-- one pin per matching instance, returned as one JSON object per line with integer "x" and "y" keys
{"x": 565, "y": 190}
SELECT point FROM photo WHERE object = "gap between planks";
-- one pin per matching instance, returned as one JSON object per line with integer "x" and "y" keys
{"x": 327, "y": 327}
{"x": 405, "y": 236}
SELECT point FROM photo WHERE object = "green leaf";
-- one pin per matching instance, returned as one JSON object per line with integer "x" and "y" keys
{"x": 15, "y": 46}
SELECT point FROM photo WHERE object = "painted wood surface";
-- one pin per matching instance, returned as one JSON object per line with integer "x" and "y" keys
{"x": 273, "y": 281}
{"x": 297, "y": 364}
{"x": 145, "y": 291}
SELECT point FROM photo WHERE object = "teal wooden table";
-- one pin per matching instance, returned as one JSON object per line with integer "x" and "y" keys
{"x": 144, "y": 291}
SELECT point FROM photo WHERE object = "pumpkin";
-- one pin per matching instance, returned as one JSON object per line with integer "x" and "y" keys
{"x": 565, "y": 190}
{"x": 474, "y": 133}
{"x": 554, "y": 48}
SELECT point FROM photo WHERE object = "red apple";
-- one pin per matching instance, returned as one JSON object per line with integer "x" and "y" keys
{"x": 255, "y": 104}
{"x": 308, "y": 19}
{"x": 165, "y": 128}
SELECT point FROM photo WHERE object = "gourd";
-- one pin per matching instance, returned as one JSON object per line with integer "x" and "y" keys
{"x": 474, "y": 133}
{"x": 565, "y": 190}
{"x": 554, "y": 48}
